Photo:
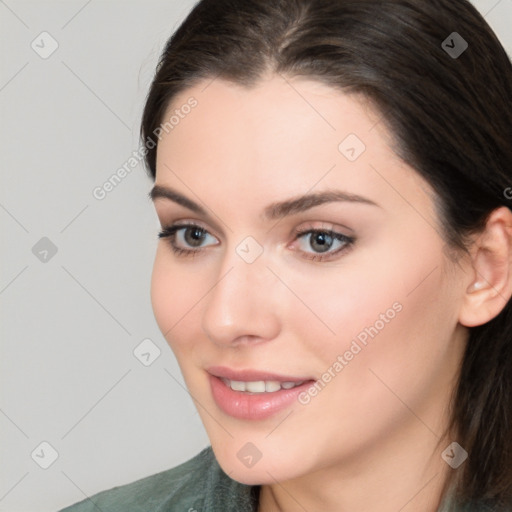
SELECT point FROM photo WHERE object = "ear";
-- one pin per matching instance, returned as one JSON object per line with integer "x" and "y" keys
{"x": 489, "y": 285}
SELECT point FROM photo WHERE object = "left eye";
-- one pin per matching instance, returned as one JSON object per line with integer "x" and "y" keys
{"x": 321, "y": 241}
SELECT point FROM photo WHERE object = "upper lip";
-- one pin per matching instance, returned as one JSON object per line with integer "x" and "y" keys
{"x": 250, "y": 375}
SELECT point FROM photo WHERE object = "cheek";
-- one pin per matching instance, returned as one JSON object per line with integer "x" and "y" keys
{"x": 379, "y": 296}
{"x": 393, "y": 331}
{"x": 173, "y": 296}
{"x": 341, "y": 302}
{"x": 161, "y": 292}
{"x": 382, "y": 290}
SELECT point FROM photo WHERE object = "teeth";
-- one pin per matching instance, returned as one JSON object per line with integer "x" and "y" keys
{"x": 290, "y": 385}
{"x": 237, "y": 386}
{"x": 271, "y": 386}
{"x": 255, "y": 387}
{"x": 260, "y": 386}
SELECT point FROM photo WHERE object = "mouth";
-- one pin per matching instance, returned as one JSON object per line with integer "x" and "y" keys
{"x": 254, "y": 395}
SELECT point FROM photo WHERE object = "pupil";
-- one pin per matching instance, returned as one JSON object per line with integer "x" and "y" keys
{"x": 197, "y": 235}
{"x": 321, "y": 239}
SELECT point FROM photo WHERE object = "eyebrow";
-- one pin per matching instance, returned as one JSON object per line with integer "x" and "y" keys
{"x": 273, "y": 211}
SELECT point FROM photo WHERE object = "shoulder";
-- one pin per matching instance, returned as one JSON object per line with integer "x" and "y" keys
{"x": 198, "y": 484}
{"x": 457, "y": 503}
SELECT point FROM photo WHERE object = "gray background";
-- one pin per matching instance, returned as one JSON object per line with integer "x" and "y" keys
{"x": 70, "y": 323}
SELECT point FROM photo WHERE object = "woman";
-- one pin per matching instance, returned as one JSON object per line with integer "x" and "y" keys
{"x": 334, "y": 266}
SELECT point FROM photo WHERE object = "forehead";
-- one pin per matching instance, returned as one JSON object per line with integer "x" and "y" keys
{"x": 278, "y": 111}
{"x": 280, "y": 138}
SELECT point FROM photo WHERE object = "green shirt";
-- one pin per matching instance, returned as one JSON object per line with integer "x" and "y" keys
{"x": 197, "y": 485}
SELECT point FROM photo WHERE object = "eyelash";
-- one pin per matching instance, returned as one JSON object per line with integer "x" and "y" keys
{"x": 170, "y": 231}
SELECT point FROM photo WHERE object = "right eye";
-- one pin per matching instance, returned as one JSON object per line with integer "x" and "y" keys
{"x": 188, "y": 234}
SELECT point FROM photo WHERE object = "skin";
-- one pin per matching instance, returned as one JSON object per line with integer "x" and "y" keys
{"x": 378, "y": 424}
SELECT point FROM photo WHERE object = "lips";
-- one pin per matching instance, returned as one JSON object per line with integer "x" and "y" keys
{"x": 250, "y": 400}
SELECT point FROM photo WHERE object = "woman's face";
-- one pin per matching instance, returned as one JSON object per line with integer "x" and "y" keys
{"x": 367, "y": 306}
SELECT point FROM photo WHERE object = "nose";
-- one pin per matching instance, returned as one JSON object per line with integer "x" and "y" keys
{"x": 243, "y": 304}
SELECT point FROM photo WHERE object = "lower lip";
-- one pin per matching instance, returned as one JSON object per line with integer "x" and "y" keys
{"x": 257, "y": 406}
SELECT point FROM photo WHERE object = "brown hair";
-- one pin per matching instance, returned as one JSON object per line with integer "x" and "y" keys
{"x": 451, "y": 119}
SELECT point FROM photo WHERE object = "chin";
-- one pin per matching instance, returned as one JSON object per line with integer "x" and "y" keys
{"x": 266, "y": 470}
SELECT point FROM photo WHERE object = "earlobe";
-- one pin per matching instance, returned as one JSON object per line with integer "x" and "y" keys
{"x": 490, "y": 287}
